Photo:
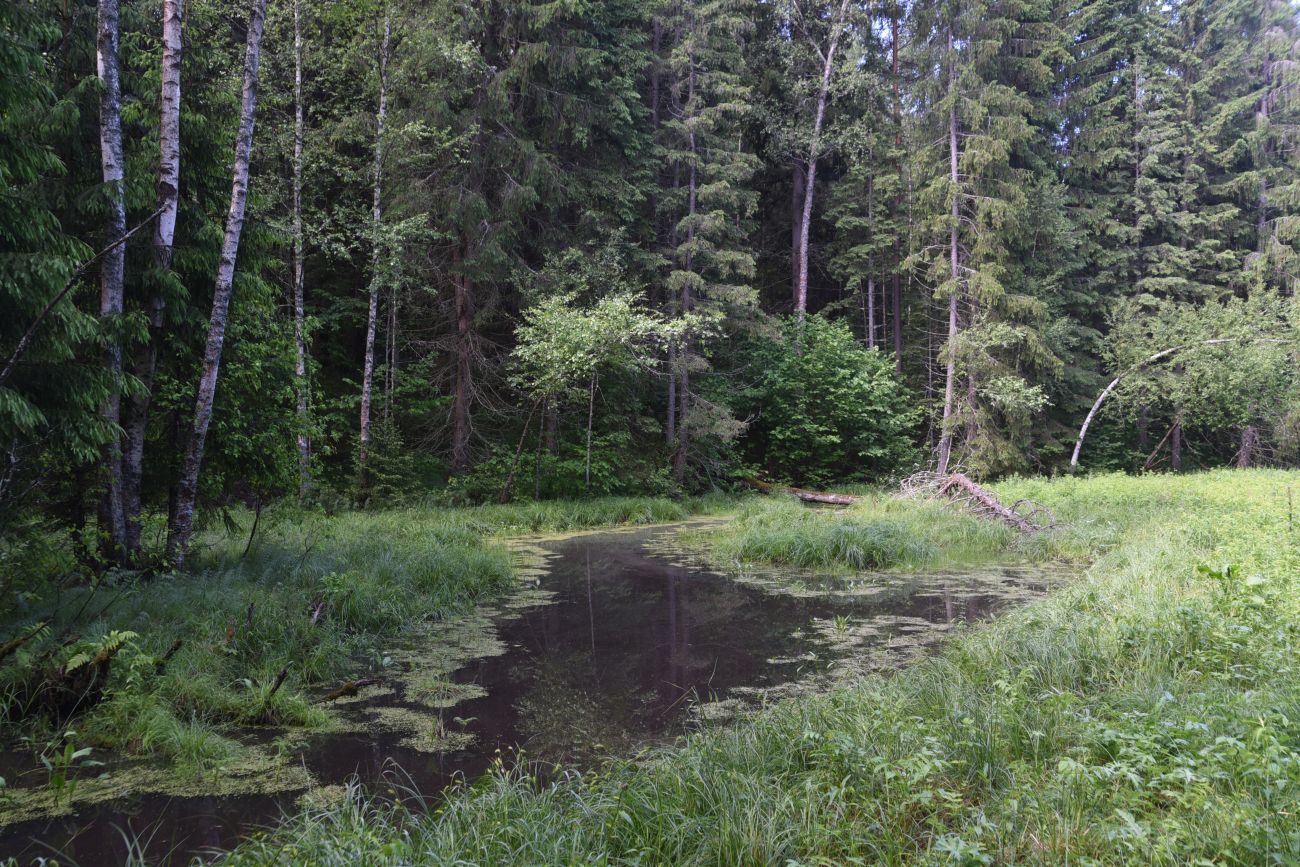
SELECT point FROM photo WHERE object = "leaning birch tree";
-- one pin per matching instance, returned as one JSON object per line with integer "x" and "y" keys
{"x": 182, "y": 520}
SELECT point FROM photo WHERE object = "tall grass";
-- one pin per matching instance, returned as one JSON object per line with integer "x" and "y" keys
{"x": 1147, "y": 713}
{"x": 321, "y": 596}
{"x": 877, "y": 533}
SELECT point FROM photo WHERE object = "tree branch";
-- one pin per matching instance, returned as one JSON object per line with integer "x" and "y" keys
{"x": 25, "y": 343}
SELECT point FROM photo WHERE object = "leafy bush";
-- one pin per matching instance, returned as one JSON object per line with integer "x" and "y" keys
{"x": 824, "y": 409}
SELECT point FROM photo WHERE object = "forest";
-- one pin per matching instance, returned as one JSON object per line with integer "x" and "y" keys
{"x": 313, "y": 313}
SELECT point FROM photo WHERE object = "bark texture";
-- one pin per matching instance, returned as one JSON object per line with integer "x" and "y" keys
{"x": 299, "y": 301}
{"x": 113, "y": 264}
{"x": 814, "y": 153}
{"x": 954, "y": 262}
{"x": 182, "y": 519}
{"x": 168, "y": 200}
{"x": 377, "y": 214}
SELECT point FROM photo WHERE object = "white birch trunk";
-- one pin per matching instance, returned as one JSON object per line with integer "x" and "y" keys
{"x": 823, "y": 92}
{"x": 372, "y": 319}
{"x": 169, "y": 180}
{"x": 113, "y": 265}
{"x": 299, "y": 305}
{"x": 182, "y": 522}
{"x": 950, "y": 376}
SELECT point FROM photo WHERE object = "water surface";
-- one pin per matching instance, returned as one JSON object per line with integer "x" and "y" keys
{"x": 623, "y": 643}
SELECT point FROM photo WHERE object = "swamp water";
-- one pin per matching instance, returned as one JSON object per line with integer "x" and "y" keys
{"x": 617, "y": 640}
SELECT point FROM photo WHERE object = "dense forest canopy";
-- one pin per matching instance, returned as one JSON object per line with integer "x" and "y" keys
{"x": 354, "y": 249}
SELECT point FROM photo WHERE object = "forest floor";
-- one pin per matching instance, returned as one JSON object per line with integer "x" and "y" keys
{"x": 263, "y": 626}
{"x": 1146, "y": 712}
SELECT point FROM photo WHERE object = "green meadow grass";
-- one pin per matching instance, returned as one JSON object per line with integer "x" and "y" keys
{"x": 244, "y": 613}
{"x": 1146, "y": 713}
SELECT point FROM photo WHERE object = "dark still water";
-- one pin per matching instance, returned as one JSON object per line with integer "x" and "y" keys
{"x": 617, "y": 647}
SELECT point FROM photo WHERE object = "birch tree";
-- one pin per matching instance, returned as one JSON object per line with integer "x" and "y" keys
{"x": 181, "y": 525}
{"x": 168, "y": 198}
{"x": 301, "y": 385}
{"x": 113, "y": 264}
{"x": 377, "y": 251}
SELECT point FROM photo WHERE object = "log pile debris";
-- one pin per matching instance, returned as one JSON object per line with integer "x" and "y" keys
{"x": 1026, "y": 516}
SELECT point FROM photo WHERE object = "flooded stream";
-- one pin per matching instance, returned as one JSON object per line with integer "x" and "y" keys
{"x": 624, "y": 641}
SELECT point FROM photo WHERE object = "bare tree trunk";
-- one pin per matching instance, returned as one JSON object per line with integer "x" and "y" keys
{"x": 670, "y": 429}
{"x": 460, "y": 426}
{"x": 1249, "y": 447}
{"x": 390, "y": 338}
{"x": 692, "y": 202}
{"x": 898, "y": 199}
{"x": 591, "y": 415}
{"x": 169, "y": 175}
{"x": 1176, "y": 447}
{"x": 372, "y": 319}
{"x": 113, "y": 265}
{"x": 798, "y": 186}
{"x": 871, "y": 279}
{"x": 814, "y": 148}
{"x": 954, "y": 257}
{"x": 299, "y": 304}
{"x": 182, "y": 522}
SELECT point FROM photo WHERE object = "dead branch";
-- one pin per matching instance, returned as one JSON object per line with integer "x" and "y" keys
{"x": 807, "y": 496}
{"x": 348, "y": 689}
{"x": 1026, "y": 516}
{"x": 12, "y": 645}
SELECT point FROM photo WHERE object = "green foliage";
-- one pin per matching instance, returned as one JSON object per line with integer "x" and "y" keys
{"x": 1142, "y": 713}
{"x": 879, "y": 533}
{"x": 824, "y": 409}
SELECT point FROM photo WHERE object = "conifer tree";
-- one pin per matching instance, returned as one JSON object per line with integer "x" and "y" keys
{"x": 710, "y": 205}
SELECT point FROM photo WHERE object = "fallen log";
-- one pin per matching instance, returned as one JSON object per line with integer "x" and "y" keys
{"x": 959, "y": 488}
{"x": 9, "y": 647}
{"x": 347, "y": 690}
{"x": 805, "y": 495}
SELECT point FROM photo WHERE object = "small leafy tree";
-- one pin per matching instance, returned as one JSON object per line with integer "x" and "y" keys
{"x": 564, "y": 346}
{"x": 825, "y": 409}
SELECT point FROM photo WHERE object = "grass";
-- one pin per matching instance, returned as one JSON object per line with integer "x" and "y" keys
{"x": 879, "y": 532}
{"x": 245, "y": 613}
{"x": 1147, "y": 713}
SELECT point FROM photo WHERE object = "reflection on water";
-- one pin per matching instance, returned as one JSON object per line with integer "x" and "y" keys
{"x": 632, "y": 647}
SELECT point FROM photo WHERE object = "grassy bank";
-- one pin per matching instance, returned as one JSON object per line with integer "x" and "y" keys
{"x": 879, "y": 532}
{"x": 316, "y": 597}
{"x": 1147, "y": 713}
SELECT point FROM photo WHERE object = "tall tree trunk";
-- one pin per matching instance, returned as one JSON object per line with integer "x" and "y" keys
{"x": 798, "y": 187}
{"x": 814, "y": 149}
{"x": 390, "y": 361}
{"x": 670, "y": 429}
{"x": 182, "y": 521}
{"x": 1176, "y": 447}
{"x": 871, "y": 278}
{"x": 372, "y": 318}
{"x": 112, "y": 266}
{"x": 169, "y": 178}
{"x": 692, "y": 202}
{"x": 591, "y": 416}
{"x": 299, "y": 305}
{"x": 898, "y": 198}
{"x": 461, "y": 421}
{"x": 954, "y": 258}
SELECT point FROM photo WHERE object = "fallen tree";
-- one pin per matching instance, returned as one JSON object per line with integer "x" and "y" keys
{"x": 1024, "y": 515}
{"x": 805, "y": 495}
{"x": 1143, "y": 365}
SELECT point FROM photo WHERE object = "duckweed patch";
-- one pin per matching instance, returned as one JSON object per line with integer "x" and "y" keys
{"x": 1143, "y": 712}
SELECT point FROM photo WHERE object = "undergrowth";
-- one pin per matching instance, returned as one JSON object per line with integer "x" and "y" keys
{"x": 1146, "y": 713}
{"x": 316, "y": 597}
